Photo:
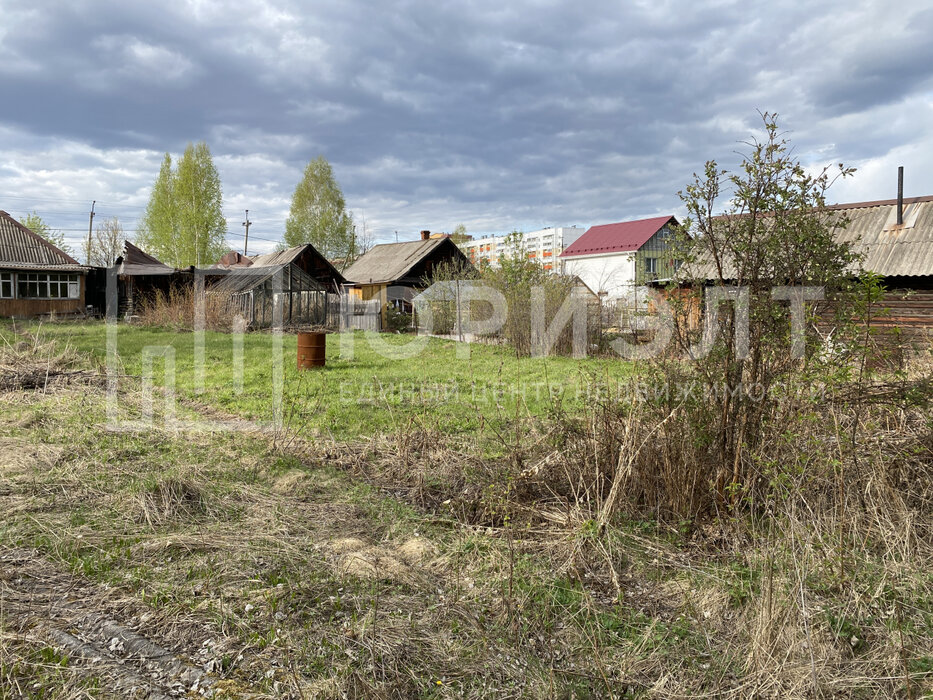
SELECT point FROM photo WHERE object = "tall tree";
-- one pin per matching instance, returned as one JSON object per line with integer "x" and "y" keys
{"x": 184, "y": 223}
{"x": 34, "y": 223}
{"x": 318, "y": 215}
{"x": 459, "y": 234}
{"x": 107, "y": 243}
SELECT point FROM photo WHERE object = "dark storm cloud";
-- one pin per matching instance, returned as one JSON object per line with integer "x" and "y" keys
{"x": 498, "y": 114}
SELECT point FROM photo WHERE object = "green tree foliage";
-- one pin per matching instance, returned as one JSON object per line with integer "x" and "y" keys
{"x": 34, "y": 223}
{"x": 516, "y": 277}
{"x": 184, "y": 223}
{"x": 751, "y": 233}
{"x": 318, "y": 215}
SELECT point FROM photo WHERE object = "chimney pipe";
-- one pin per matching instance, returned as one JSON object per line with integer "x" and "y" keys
{"x": 425, "y": 235}
{"x": 900, "y": 195}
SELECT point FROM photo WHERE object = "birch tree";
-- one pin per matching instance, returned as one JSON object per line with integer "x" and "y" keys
{"x": 184, "y": 224}
{"x": 318, "y": 214}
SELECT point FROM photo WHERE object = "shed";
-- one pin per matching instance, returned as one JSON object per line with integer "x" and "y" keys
{"x": 902, "y": 254}
{"x": 141, "y": 277}
{"x": 309, "y": 260}
{"x": 36, "y": 277}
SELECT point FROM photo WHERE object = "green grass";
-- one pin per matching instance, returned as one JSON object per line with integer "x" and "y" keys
{"x": 365, "y": 394}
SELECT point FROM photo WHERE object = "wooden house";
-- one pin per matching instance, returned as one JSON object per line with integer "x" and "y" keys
{"x": 392, "y": 273}
{"x": 894, "y": 239}
{"x": 37, "y": 278}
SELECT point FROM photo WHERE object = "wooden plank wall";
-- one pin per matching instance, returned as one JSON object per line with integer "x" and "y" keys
{"x": 909, "y": 310}
{"x": 29, "y": 308}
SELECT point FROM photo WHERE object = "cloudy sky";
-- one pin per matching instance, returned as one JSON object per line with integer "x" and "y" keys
{"x": 498, "y": 115}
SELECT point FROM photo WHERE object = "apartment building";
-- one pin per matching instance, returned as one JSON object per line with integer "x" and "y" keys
{"x": 543, "y": 246}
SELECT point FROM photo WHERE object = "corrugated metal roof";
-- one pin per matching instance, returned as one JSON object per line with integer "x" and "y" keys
{"x": 33, "y": 267}
{"x": 137, "y": 263}
{"x": 19, "y": 245}
{"x": 279, "y": 257}
{"x": 888, "y": 249}
{"x": 322, "y": 266}
{"x": 389, "y": 262}
{"x": 133, "y": 255}
{"x": 615, "y": 238}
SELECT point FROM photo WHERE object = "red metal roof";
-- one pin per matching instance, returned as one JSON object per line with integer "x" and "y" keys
{"x": 612, "y": 238}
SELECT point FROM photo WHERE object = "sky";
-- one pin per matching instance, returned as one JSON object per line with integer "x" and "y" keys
{"x": 497, "y": 115}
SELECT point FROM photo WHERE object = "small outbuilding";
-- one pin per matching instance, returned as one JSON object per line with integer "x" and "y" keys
{"x": 141, "y": 278}
{"x": 300, "y": 278}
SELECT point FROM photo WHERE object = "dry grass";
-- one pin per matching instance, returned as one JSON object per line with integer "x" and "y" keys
{"x": 525, "y": 574}
{"x": 28, "y": 362}
{"x": 175, "y": 310}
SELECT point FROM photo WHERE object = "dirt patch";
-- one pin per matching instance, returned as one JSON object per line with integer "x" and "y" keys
{"x": 18, "y": 456}
{"x": 68, "y": 613}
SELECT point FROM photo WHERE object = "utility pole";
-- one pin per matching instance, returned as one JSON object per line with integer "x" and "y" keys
{"x": 90, "y": 226}
{"x": 246, "y": 238}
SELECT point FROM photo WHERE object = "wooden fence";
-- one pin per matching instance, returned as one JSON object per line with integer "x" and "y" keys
{"x": 360, "y": 315}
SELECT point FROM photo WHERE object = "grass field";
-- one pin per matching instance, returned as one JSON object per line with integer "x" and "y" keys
{"x": 370, "y": 393}
{"x": 435, "y": 547}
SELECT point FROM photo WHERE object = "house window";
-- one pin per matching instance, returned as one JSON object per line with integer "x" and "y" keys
{"x": 651, "y": 266}
{"x": 6, "y": 285}
{"x": 46, "y": 285}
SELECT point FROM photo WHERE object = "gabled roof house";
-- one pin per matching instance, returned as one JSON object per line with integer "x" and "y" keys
{"x": 36, "y": 277}
{"x": 610, "y": 258}
{"x": 393, "y": 272}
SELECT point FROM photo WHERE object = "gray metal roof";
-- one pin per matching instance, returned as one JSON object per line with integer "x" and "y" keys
{"x": 135, "y": 262}
{"x": 279, "y": 257}
{"x": 888, "y": 249}
{"x": 891, "y": 250}
{"x": 21, "y": 247}
{"x": 389, "y": 262}
{"x": 244, "y": 279}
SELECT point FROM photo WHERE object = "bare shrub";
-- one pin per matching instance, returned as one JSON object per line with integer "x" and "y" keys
{"x": 175, "y": 309}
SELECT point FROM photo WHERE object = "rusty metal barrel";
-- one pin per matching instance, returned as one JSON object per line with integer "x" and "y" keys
{"x": 311, "y": 350}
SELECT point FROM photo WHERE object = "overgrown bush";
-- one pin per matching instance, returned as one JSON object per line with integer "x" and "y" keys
{"x": 175, "y": 309}
{"x": 517, "y": 278}
{"x": 397, "y": 321}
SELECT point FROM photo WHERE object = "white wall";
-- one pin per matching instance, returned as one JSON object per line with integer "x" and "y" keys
{"x": 612, "y": 273}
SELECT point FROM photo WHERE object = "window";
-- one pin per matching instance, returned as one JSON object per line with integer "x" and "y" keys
{"x": 46, "y": 285}
{"x": 651, "y": 266}
{"x": 6, "y": 285}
